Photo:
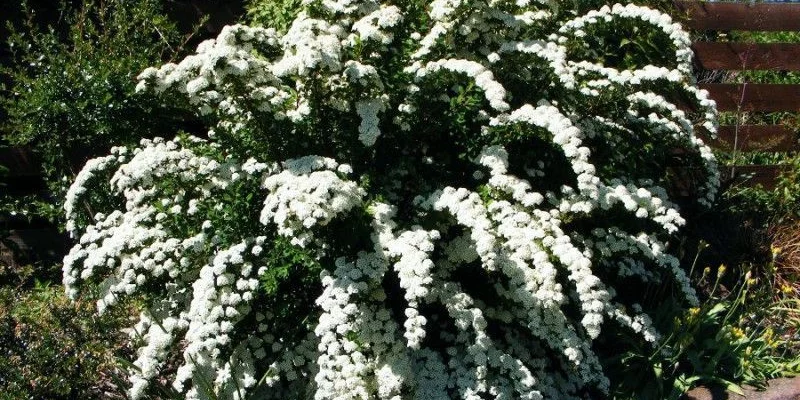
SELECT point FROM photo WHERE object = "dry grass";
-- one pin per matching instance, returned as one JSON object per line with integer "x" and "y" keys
{"x": 785, "y": 269}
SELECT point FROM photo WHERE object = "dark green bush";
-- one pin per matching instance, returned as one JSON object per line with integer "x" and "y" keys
{"x": 67, "y": 78}
{"x": 70, "y": 91}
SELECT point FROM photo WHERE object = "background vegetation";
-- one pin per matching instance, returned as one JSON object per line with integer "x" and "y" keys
{"x": 67, "y": 78}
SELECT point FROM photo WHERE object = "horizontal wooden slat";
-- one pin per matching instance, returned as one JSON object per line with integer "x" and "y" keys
{"x": 748, "y": 138}
{"x": 15, "y": 222}
{"x": 20, "y": 161}
{"x": 754, "y": 97}
{"x": 38, "y": 244}
{"x": 727, "y": 16}
{"x": 748, "y": 56}
{"x": 765, "y": 176}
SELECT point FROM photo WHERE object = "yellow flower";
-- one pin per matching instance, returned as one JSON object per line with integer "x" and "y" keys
{"x": 721, "y": 270}
{"x": 693, "y": 313}
{"x": 769, "y": 337}
{"x": 737, "y": 332}
{"x": 786, "y": 289}
{"x": 749, "y": 280}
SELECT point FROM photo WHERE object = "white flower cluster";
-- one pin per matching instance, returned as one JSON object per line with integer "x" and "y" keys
{"x": 470, "y": 267}
{"x": 209, "y": 77}
{"x": 374, "y": 26}
{"x": 494, "y": 91}
{"x": 307, "y": 193}
{"x": 146, "y": 245}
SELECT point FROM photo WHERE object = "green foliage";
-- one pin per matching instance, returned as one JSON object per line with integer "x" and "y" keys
{"x": 277, "y": 14}
{"x": 53, "y": 348}
{"x": 284, "y": 260}
{"x": 732, "y": 338}
{"x": 746, "y": 334}
{"x": 71, "y": 91}
{"x": 624, "y": 45}
{"x": 767, "y": 207}
{"x": 68, "y": 93}
{"x": 768, "y": 218}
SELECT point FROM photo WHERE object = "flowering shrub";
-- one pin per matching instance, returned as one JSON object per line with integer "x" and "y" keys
{"x": 401, "y": 200}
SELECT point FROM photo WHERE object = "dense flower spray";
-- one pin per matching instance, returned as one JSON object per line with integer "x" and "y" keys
{"x": 401, "y": 200}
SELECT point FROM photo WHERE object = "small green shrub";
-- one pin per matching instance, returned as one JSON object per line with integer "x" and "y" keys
{"x": 53, "y": 348}
{"x": 71, "y": 86}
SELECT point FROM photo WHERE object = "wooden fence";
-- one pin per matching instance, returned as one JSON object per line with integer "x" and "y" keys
{"x": 749, "y": 97}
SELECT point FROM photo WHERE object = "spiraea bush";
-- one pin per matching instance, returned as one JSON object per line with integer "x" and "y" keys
{"x": 460, "y": 199}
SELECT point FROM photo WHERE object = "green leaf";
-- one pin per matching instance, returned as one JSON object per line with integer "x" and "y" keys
{"x": 718, "y": 308}
{"x": 732, "y": 387}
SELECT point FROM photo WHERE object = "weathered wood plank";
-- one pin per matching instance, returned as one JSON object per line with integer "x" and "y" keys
{"x": 754, "y": 97}
{"x": 765, "y": 176}
{"x": 748, "y": 56}
{"x": 36, "y": 244}
{"x": 15, "y": 222}
{"x": 23, "y": 175}
{"x": 20, "y": 161}
{"x": 725, "y": 16}
{"x": 749, "y": 138}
